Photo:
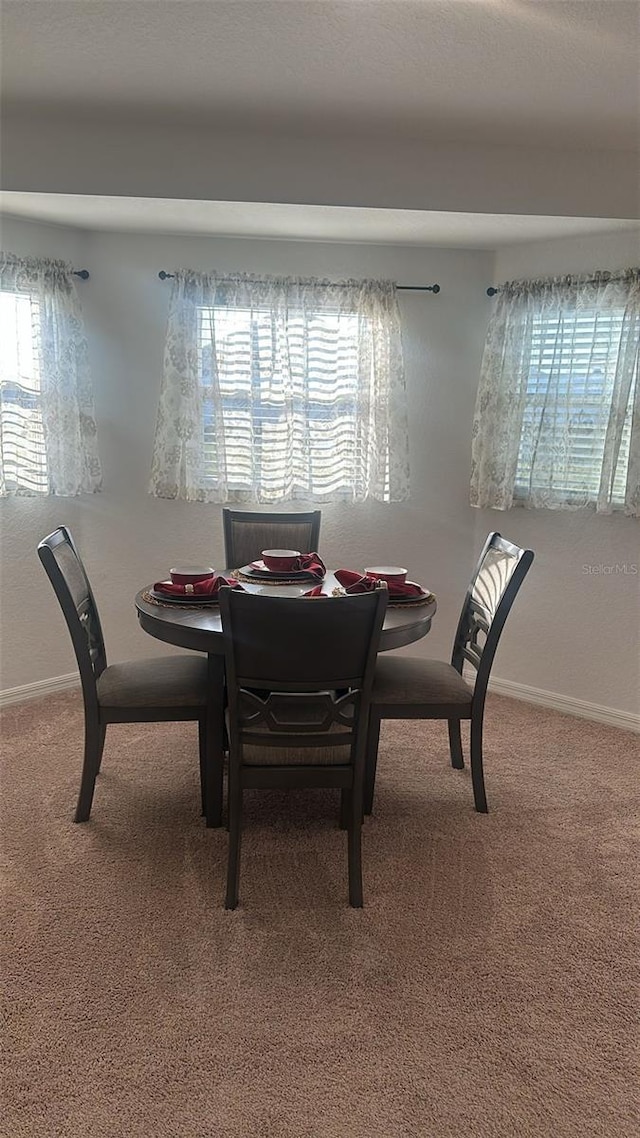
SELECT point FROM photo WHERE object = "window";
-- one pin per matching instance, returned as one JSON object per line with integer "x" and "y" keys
{"x": 298, "y": 413}
{"x": 21, "y": 429}
{"x": 571, "y": 371}
{"x": 557, "y": 422}
{"x": 278, "y": 390}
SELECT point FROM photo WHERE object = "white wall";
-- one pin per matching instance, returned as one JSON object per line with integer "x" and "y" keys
{"x": 119, "y": 154}
{"x": 128, "y": 538}
{"x": 579, "y": 633}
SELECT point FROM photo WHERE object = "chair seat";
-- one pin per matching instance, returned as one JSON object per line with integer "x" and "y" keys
{"x": 168, "y": 681}
{"x": 411, "y": 680}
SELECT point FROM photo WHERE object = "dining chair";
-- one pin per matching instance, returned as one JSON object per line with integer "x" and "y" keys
{"x": 312, "y": 661}
{"x": 138, "y": 691}
{"x": 246, "y": 534}
{"x": 407, "y": 687}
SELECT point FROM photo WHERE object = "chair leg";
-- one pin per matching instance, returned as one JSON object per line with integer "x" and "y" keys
{"x": 455, "y": 744}
{"x": 235, "y": 831}
{"x": 103, "y": 731}
{"x": 93, "y": 744}
{"x": 477, "y": 776}
{"x": 371, "y": 761}
{"x": 214, "y": 779}
{"x": 202, "y": 754}
{"x": 354, "y": 840}
{"x": 345, "y": 812}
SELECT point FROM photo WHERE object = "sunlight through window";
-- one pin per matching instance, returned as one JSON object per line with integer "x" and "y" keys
{"x": 21, "y": 429}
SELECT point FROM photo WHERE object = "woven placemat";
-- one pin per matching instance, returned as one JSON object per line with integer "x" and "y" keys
{"x": 428, "y": 600}
{"x": 282, "y": 581}
{"x": 146, "y": 596}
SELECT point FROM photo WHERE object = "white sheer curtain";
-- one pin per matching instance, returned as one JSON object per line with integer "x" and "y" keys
{"x": 557, "y": 421}
{"x": 281, "y": 389}
{"x": 48, "y": 438}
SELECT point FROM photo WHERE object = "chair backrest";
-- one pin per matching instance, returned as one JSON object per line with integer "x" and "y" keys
{"x": 300, "y": 654}
{"x": 246, "y": 534}
{"x": 499, "y": 574}
{"x": 66, "y": 572}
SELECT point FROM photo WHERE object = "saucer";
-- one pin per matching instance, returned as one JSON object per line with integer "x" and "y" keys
{"x": 257, "y": 571}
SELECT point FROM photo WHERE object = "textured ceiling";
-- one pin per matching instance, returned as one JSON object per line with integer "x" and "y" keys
{"x": 305, "y": 222}
{"x": 561, "y": 73}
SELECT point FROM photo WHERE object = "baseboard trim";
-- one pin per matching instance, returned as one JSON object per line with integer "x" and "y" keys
{"x": 627, "y": 720}
{"x": 40, "y": 688}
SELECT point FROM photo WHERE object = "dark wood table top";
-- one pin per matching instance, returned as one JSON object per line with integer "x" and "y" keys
{"x": 201, "y": 628}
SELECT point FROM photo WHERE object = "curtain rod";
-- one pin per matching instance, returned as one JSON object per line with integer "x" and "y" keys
{"x": 604, "y": 278}
{"x": 401, "y": 288}
{"x": 82, "y": 273}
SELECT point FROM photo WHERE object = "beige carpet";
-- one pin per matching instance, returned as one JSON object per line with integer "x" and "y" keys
{"x": 487, "y": 988}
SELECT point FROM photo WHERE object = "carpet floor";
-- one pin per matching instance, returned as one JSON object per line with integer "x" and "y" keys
{"x": 486, "y": 989}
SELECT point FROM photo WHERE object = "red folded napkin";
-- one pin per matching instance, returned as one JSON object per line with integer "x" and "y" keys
{"x": 311, "y": 563}
{"x": 210, "y": 587}
{"x": 361, "y": 583}
{"x": 351, "y": 582}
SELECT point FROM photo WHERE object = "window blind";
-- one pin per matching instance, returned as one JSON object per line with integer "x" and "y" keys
{"x": 290, "y": 400}
{"x": 570, "y": 376}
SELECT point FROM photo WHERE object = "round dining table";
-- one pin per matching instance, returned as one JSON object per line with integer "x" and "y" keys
{"x": 200, "y": 629}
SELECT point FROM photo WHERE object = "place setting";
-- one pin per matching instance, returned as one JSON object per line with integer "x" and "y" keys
{"x": 401, "y": 591}
{"x": 190, "y": 586}
{"x": 282, "y": 567}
